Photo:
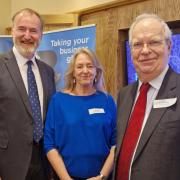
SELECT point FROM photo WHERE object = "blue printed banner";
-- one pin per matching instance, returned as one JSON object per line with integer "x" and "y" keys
{"x": 5, "y": 44}
{"x": 59, "y": 46}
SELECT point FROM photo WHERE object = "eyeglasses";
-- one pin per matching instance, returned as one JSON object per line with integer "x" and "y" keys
{"x": 151, "y": 44}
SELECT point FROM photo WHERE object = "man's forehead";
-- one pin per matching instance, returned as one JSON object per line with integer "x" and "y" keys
{"x": 149, "y": 27}
{"x": 27, "y": 19}
{"x": 148, "y": 23}
{"x": 25, "y": 15}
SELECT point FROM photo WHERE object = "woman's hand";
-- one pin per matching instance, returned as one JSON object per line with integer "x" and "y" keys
{"x": 95, "y": 178}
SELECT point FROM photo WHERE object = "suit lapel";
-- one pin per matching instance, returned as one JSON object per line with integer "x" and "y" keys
{"x": 166, "y": 91}
{"x": 124, "y": 114}
{"x": 12, "y": 67}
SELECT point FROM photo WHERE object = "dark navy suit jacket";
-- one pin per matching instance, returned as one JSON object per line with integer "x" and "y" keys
{"x": 16, "y": 121}
{"x": 158, "y": 153}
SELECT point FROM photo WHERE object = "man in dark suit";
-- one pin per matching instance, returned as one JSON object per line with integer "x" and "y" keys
{"x": 155, "y": 153}
{"x": 21, "y": 155}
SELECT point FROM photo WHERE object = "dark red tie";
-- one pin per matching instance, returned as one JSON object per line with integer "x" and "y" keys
{"x": 132, "y": 133}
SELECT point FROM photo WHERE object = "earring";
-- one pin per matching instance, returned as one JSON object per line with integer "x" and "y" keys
{"x": 95, "y": 80}
{"x": 74, "y": 80}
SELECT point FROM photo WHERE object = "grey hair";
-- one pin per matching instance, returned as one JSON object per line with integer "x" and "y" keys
{"x": 31, "y": 12}
{"x": 143, "y": 16}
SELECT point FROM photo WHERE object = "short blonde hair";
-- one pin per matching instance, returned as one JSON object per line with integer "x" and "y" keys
{"x": 69, "y": 77}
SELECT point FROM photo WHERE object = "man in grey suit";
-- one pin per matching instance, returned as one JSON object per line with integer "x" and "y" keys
{"x": 21, "y": 157}
{"x": 156, "y": 153}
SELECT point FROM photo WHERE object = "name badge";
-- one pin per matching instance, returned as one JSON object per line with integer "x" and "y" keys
{"x": 162, "y": 103}
{"x": 96, "y": 110}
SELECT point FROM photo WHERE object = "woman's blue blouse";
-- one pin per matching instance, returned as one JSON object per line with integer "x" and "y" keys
{"x": 82, "y": 129}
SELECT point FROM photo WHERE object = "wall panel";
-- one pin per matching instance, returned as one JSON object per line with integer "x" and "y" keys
{"x": 112, "y": 24}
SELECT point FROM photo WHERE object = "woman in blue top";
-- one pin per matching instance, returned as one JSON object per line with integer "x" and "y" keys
{"x": 80, "y": 130}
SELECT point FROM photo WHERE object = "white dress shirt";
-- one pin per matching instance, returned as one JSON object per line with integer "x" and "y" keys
{"x": 22, "y": 64}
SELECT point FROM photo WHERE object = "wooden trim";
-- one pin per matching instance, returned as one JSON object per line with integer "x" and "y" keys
{"x": 60, "y": 19}
{"x": 106, "y": 6}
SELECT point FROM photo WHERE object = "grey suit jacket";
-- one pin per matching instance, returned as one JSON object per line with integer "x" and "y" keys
{"x": 158, "y": 152}
{"x": 16, "y": 121}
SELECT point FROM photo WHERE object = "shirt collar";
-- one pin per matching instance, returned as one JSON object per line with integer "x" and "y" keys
{"x": 156, "y": 83}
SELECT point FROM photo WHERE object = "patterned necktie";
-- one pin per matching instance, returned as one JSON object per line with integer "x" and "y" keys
{"x": 35, "y": 104}
{"x": 132, "y": 134}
